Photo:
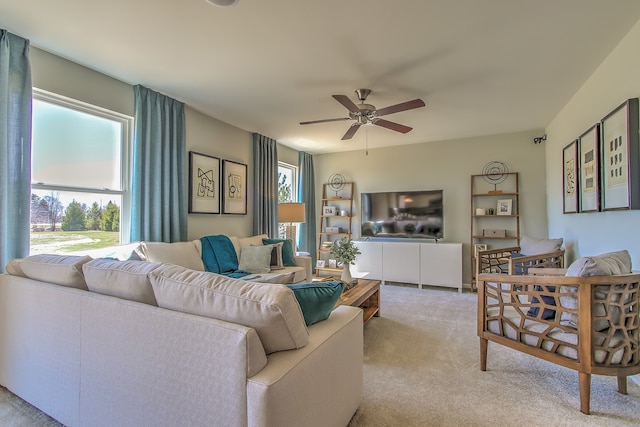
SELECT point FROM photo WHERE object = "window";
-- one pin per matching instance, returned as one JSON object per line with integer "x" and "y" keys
{"x": 287, "y": 183}
{"x": 287, "y": 188}
{"x": 79, "y": 175}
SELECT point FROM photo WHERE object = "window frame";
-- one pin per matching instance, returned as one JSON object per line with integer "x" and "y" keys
{"x": 126, "y": 141}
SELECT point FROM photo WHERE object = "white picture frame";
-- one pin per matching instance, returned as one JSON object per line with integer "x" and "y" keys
{"x": 333, "y": 263}
{"x": 320, "y": 263}
{"x": 504, "y": 207}
{"x": 477, "y": 248}
{"x": 328, "y": 211}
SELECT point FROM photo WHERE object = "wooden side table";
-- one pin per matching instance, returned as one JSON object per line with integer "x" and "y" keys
{"x": 366, "y": 295}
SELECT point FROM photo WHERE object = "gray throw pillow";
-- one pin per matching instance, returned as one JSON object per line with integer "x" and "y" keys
{"x": 533, "y": 246}
{"x": 255, "y": 259}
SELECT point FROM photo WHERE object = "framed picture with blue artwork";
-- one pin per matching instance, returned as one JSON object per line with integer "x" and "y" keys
{"x": 234, "y": 188}
{"x": 204, "y": 183}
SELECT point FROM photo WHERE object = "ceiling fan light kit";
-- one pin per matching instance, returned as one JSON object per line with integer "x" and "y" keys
{"x": 367, "y": 114}
{"x": 223, "y": 3}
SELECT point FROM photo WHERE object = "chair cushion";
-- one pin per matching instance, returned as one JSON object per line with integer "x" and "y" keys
{"x": 608, "y": 264}
{"x": 317, "y": 299}
{"x": 63, "y": 270}
{"x": 533, "y": 246}
{"x": 271, "y": 309}
{"x": 122, "y": 279}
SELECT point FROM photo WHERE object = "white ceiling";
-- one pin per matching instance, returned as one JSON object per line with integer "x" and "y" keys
{"x": 483, "y": 67}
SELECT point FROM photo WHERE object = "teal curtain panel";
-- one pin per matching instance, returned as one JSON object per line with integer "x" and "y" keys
{"x": 265, "y": 186}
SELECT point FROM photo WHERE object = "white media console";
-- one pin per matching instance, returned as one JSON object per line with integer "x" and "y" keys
{"x": 411, "y": 261}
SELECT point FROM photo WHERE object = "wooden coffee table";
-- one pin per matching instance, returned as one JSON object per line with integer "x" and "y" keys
{"x": 366, "y": 295}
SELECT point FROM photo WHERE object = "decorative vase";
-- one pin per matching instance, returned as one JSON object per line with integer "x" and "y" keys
{"x": 346, "y": 274}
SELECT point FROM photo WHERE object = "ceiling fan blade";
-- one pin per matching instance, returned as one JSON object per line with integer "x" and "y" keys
{"x": 352, "y": 131}
{"x": 404, "y": 106}
{"x": 392, "y": 125}
{"x": 325, "y": 121}
{"x": 344, "y": 100}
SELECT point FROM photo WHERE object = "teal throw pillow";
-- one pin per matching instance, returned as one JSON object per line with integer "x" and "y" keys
{"x": 288, "y": 259}
{"x": 317, "y": 299}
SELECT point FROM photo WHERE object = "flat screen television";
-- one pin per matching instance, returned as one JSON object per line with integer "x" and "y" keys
{"x": 402, "y": 214}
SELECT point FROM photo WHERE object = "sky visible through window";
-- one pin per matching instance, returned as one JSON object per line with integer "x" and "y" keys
{"x": 72, "y": 148}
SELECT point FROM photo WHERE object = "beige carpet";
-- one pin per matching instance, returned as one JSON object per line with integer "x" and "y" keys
{"x": 421, "y": 368}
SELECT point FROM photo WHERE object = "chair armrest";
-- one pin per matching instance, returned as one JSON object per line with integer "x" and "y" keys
{"x": 305, "y": 262}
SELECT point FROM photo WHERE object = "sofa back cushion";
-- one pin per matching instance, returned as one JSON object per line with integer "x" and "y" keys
{"x": 63, "y": 270}
{"x": 122, "y": 279}
{"x": 185, "y": 254}
{"x": 271, "y": 309}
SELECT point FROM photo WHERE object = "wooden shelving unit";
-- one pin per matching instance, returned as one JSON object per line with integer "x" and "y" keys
{"x": 485, "y": 195}
{"x": 341, "y": 200}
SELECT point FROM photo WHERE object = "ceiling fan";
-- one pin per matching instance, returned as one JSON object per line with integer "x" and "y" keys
{"x": 365, "y": 114}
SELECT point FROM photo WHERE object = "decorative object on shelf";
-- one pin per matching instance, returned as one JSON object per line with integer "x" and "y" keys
{"x": 504, "y": 207}
{"x": 494, "y": 233}
{"x": 345, "y": 251}
{"x": 204, "y": 183}
{"x": 290, "y": 214}
{"x": 320, "y": 263}
{"x": 477, "y": 248}
{"x": 569, "y": 178}
{"x": 619, "y": 154}
{"x": 234, "y": 188}
{"x": 333, "y": 263}
{"x": 329, "y": 210}
{"x": 332, "y": 229}
{"x": 481, "y": 211}
{"x": 495, "y": 173}
{"x": 589, "y": 170}
{"x": 336, "y": 183}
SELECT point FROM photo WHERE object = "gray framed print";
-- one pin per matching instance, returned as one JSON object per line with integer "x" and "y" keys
{"x": 619, "y": 151}
{"x": 589, "y": 169}
{"x": 570, "y": 178}
{"x": 204, "y": 183}
{"x": 234, "y": 188}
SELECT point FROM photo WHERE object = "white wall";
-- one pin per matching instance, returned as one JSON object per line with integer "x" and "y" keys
{"x": 203, "y": 134}
{"x": 616, "y": 80}
{"x": 446, "y": 165}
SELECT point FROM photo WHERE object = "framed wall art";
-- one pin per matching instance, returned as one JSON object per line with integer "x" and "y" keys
{"x": 504, "y": 207}
{"x": 619, "y": 151}
{"x": 589, "y": 170}
{"x": 570, "y": 178}
{"x": 477, "y": 247}
{"x": 234, "y": 188}
{"x": 204, "y": 183}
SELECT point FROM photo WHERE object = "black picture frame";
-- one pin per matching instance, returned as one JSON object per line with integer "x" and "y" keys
{"x": 204, "y": 184}
{"x": 234, "y": 188}
{"x": 570, "y": 187}
{"x": 619, "y": 154}
{"x": 589, "y": 169}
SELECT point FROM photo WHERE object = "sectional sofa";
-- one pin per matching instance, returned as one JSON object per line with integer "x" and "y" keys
{"x": 103, "y": 342}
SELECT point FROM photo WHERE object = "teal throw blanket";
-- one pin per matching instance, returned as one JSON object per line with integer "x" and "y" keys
{"x": 219, "y": 256}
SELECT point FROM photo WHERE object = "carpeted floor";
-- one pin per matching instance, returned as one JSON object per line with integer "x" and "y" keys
{"x": 421, "y": 368}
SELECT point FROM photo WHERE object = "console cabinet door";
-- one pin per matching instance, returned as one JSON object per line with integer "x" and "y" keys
{"x": 369, "y": 261}
{"x": 401, "y": 262}
{"x": 441, "y": 264}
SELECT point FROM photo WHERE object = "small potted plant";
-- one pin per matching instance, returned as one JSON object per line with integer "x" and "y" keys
{"x": 345, "y": 251}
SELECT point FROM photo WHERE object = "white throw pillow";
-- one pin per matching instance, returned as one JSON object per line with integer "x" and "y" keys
{"x": 63, "y": 270}
{"x": 272, "y": 310}
{"x": 256, "y": 259}
{"x": 122, "y": 279}
{"x": 185, "y": 254}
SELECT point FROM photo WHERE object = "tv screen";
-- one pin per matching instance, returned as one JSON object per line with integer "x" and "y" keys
{"x": 402, "y": 214}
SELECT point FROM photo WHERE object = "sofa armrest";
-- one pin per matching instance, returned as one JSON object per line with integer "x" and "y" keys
{"x": 304, "y": 262}
{"x": 521, "y": 265}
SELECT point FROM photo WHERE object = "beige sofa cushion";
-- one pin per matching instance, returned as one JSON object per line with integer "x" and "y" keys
{"x": 185, "y": 254}
{"x": 122, "y": 279}
{"x": 63, "y": 270}
{"x": 271, "y": 309}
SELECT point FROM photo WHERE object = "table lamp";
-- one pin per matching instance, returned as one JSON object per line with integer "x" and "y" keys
{"x": 290, "y": 214}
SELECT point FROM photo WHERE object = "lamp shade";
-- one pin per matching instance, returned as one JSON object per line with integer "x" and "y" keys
{"x": 291, "y": 212}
